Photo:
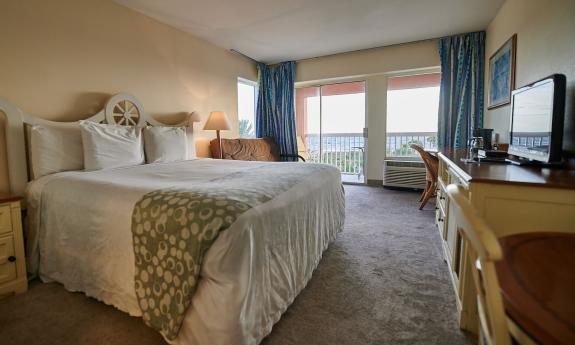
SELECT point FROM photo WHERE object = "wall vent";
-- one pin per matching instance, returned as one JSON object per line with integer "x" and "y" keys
{"x": 404, "y": 174}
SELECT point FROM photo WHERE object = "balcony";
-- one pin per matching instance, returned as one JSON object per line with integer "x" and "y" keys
{"x": 342, "y": 150}
{"x": 398, "y": 143}
{"x": 346, "y": 150}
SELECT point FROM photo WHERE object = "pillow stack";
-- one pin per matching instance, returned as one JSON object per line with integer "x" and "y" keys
{"x": 110, "y": 146}
{"x": 55, "y": 149}
{"x": 94, "y": 146}
{"x": 165, "y": 144}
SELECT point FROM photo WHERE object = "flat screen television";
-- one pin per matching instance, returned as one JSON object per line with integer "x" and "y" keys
{"x": 537, "y": 113}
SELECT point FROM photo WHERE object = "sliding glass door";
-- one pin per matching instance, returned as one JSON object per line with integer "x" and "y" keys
{"x": 331, "y": 127}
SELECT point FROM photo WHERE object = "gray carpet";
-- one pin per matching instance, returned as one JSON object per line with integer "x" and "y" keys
{"x": 383, "y": 281}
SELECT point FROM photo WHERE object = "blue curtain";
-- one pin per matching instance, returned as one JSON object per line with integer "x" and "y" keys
{"x": 275, "y": 115}
{"x": 461, "y": 95}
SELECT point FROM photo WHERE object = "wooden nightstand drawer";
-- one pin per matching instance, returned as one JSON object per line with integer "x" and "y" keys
{"x": 12, "y": 258}
{"x": 7, "y": 259}
{"x": 5, "y": 219}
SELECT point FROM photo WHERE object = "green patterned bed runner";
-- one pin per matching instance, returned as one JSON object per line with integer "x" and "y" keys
{"x": 172, "y": 230}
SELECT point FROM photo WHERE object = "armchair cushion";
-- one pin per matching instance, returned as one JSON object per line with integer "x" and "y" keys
{"x": 261, "y": 149}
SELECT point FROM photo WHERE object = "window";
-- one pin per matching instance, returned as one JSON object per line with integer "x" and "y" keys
{"x": 247, "y": 103}
{"x": 412, "y": 107}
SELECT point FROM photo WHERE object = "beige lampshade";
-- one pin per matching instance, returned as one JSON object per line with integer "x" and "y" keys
{"x": 218, "y": 120}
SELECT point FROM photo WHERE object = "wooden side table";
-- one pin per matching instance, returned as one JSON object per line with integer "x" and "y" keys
{"x": 12, "y": 258}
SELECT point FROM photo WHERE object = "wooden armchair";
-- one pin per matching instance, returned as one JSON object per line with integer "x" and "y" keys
{"x": 431, "y": 166}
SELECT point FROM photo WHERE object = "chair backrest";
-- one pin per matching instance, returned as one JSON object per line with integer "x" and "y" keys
{"x": 483, "y": 250}
{"x": 431, "y": 162}
{"x": 301, "y": 149}
{"x": 259, "y": 149}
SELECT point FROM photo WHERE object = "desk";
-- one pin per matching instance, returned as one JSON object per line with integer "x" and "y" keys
{"x": 537, "y": 279}
{"x": 511, "y": 199}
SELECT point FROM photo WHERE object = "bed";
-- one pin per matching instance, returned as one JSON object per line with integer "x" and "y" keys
{"x": 80, "y": 234}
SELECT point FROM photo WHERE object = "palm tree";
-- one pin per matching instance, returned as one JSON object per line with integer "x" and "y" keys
{"x": 246, "y": 129}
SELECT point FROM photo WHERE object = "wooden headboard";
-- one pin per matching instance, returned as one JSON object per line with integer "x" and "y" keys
{"x": 121, "y": 109}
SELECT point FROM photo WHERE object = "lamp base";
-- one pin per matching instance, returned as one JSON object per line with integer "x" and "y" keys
{"x": 221, "y": 149}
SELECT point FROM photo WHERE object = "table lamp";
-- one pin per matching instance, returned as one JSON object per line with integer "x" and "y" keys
{"x": 218, "y": 121}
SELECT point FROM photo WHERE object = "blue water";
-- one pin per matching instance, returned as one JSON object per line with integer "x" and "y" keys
{"x": 335, "y": 144}
{"x": 351, "y": 143}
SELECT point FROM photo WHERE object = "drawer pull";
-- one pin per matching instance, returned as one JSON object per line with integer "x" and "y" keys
{"x": 11, "y": 258}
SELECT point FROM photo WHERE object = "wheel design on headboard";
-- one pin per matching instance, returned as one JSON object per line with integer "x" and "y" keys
{"x": 126, "y": 113}
{"x": 124, "y": 110}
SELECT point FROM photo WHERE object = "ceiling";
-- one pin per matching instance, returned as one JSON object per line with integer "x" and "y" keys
{"x": 280, "y": 30}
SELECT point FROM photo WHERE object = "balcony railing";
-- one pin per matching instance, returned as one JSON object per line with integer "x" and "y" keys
{"x": 343, "y": 150}
{"x": 346, "y": 150}
{"x": 398, "y": 143}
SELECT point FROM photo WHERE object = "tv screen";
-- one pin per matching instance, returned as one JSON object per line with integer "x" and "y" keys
{"x": 537, "y": 112}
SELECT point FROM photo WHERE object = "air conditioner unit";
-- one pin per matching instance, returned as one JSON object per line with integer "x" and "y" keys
{"x": 404, "y": 174}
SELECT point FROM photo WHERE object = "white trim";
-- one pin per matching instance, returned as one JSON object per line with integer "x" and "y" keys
{"x": 16, "y": 120}
{"x": 330, "y": 81}
{"x": 248, "y": 81}
{"x": 360, "y": 77}
{"x": 415, "y": 71}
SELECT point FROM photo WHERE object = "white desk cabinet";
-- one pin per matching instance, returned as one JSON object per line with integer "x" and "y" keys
{"x": 511, "y": 199}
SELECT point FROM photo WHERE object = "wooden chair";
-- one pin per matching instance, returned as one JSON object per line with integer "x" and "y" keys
{"x": 431, "y": 166}
{"x": 484, "y": 250}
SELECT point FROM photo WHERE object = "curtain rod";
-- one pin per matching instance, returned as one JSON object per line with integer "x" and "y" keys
{"x": 244, "y": 55}
{"x": 359, "y": 50}
{"x": 387, "y": 46}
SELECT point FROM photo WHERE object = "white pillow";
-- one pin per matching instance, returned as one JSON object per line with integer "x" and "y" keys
{"x": 55, "y": 149}
{"x": 165, "y": 144}
{"x": 111, "y": 146}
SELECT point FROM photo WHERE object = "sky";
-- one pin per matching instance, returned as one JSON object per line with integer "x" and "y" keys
{"x": 413, "y": 110}
{"x": 341, "y": 113}
{"x": 409, "y": 110}
{"x": 246, "y": 104}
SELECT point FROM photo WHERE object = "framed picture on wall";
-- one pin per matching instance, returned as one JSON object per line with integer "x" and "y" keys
{"x": 502, "y": 74}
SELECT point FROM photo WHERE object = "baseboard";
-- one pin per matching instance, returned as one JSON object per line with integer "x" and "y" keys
{"x": 375, "y": 182}
{"x": 405, "y": 189}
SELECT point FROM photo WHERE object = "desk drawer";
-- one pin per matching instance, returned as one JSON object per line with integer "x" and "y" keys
{"x": 441, "y": 198}
{"x": 7, "y": 267}
{"x": 5, "y": 219}
{"x": 440, "y": 222}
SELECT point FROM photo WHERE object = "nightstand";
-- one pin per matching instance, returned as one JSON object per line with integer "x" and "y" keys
{"x": 12, "y": 259}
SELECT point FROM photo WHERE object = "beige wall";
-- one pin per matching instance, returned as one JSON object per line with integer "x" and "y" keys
{"x": 545, "y": 45}
{"x": 374, "y": 66}
{"x": 61, "y": 59}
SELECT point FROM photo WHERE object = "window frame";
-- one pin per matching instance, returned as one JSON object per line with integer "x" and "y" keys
{"x": 407, "y": 73}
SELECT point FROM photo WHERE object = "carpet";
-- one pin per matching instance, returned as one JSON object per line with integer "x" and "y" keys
{"x": 383, "y": 281}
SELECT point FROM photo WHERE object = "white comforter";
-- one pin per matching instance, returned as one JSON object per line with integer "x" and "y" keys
{"x": 80, "y": 228}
